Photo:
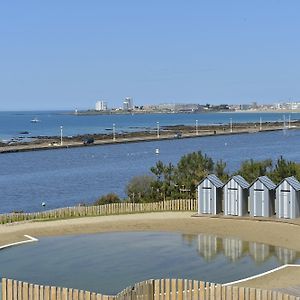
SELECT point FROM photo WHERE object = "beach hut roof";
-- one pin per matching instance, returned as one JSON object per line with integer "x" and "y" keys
{"x": 266, "y": 181}
{"x": 240, "y": 181}
{"x": 293, "y": 182}
{"x": 214, "y": 180}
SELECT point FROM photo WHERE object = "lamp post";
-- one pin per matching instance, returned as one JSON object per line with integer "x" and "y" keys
{"x": 157, "y": 129}
{"x": 196, "y": 127}
{"x": 114, "y": 131}
{"x": 260, "y": 124}
{"x": 230, "y": 124}
{"x": 289, "y": 121}
{"x": 61, "y": 135}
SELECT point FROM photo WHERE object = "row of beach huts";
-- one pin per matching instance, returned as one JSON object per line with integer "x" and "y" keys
{"x": 261, "y": 198}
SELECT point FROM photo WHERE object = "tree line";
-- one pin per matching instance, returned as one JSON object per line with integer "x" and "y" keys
{"x": 168, "y": 181}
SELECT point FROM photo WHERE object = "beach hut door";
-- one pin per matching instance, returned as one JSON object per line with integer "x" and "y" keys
{"x": 207, "y": 209}
{"x": 234, "y": 202}
{"x": 259, "y": 203}
{"x": 286, "y": 204}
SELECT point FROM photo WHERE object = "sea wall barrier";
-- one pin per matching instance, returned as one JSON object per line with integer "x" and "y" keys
{"x": 164, "y": 135}
{"x": 160, "y": 289}
{"x": 102, "y": 210}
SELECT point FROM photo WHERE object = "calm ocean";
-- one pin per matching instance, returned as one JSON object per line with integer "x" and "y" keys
{"x": 67, "y": 177}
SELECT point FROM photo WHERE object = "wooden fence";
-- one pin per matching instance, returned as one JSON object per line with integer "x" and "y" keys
{"x": 102, "y": 210}
{"x": 161, "y": 289}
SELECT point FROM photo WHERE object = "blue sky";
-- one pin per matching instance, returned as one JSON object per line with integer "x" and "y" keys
{"x": 66, "y": 54}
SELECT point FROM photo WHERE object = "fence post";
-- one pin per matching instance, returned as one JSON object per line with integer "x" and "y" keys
{"x": 235, "y": 293}
{"x": 150, "y": 286}
{"x": 81, "y": 295}
{"x": 212, "y": 291}
{"x": 218, "y": 291}
{"x": 202, "y": 290}
{"x": 174, "y": 289}
{"x": 36, "y": 292}
{"x": 156, "y": 289}
{"x": 252, "y": 294}
{"x": 207, "y": 291}
{"x": 73, "y": 294}
{"x": 4, "y": 295}
{"x": 15, "y": 289}
{"x": 53, "y": 293}
{"x": 229, "y": 292}
{"x": 47, "y": 292}
{"x": 9, "y": 289}
{"x": 87, "y": 295}
{"x": 168, "y": 289}
{"x": 258, "y": 294}
{"x": 41, "y": 293}
{"x": 285, "y": 297}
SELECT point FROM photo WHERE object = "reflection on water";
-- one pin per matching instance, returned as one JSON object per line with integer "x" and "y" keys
{"x": 210, "y": 246}
{"x": 286, "y": 256}
{"x": 233, "y": 248}
{"x": 260, "y": 252}
{"x": 110, "y": 262}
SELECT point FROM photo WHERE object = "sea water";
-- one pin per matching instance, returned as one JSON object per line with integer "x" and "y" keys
{"x": 13, "y": 123}
{"x": 67, "y": 177}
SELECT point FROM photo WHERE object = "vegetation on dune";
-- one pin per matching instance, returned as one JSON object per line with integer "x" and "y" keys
{"x": 172, "y": 182}
{"x": 107, "y": 199}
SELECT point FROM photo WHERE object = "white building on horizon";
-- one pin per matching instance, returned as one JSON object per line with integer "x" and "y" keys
{"x": 128, "y": 103}
{"x": 101, "y": 106}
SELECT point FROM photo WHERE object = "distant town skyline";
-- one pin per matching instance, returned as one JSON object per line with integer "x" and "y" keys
{"x": 69, "y": 54}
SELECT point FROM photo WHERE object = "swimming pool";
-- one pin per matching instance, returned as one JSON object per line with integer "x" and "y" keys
{"x": 109, "y": 262}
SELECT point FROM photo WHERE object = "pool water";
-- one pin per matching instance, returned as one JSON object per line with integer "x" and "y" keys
{"x": 109, "y": 262}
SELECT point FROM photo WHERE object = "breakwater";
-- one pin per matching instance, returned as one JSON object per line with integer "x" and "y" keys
{"x": 167, "y": 133}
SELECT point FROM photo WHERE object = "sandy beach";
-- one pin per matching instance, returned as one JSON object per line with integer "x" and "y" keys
{"x": 269, "y": 232}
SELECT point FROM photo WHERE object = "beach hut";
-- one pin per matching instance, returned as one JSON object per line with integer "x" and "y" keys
{"x": 210, "y": 195}
{"x": 262, "y": 197}
{"x": 236, "y": 196}
{"x": 287, "y": 204}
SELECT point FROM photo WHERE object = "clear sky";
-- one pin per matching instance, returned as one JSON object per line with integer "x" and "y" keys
{"x": 66, "y": 54}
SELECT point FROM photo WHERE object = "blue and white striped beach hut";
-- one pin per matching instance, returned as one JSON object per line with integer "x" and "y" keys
{"x": 210, "y": 195}
{"x": 236, "y": 196}
{"x": 287, "y": 204}
{"x": 262, "y": 197}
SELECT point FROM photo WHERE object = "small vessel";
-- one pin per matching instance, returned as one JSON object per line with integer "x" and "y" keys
{"x": 157, "y": 151}
{"x": 35, "y": 120}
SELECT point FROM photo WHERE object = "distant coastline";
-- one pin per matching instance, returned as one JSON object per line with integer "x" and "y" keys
{"x": 143, "y": 112}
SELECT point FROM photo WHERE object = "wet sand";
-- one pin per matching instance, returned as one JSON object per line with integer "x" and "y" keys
{"x": 273, "y": 233}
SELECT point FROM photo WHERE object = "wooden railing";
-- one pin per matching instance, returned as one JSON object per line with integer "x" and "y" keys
{"x": 18, "y": 290}
{"x": 160, "y": 289}
{"x": 102, "y": 210}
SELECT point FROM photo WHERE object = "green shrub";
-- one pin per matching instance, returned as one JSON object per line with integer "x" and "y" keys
{"x": 107, "y": 199}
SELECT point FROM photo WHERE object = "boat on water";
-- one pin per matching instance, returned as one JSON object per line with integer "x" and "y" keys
{"x": 35, "y": 120}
